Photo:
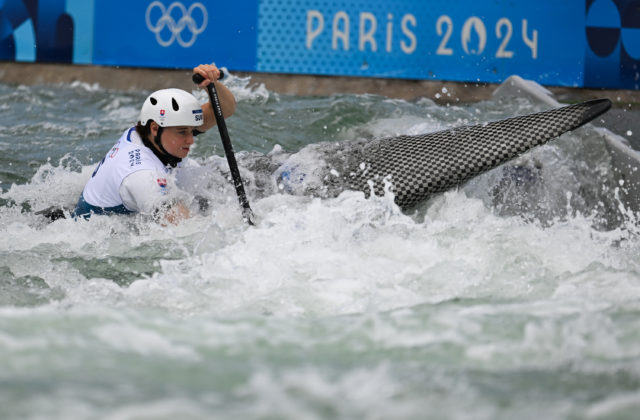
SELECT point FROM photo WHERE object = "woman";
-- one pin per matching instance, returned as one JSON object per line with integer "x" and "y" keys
{"x": 136, "y": 175}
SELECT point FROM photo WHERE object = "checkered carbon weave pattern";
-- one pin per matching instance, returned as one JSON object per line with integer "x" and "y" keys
{"x": 419, "y": 166}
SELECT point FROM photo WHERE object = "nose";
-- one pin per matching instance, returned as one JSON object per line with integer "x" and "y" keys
{"x": 189, "y": 139}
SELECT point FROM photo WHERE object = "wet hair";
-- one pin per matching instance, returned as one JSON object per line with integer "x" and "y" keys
{"x": 144, "y": 131}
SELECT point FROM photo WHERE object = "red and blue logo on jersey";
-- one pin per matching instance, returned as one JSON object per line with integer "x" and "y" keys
{"x": 162, "y": 182}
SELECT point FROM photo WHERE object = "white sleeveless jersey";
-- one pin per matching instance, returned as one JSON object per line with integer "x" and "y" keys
{"x": 130, "y": 178}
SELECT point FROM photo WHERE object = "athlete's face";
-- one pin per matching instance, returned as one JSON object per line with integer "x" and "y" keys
{"x": 176, "y": 140}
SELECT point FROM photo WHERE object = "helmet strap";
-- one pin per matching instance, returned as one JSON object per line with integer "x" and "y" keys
{"x": 165, "y": 157}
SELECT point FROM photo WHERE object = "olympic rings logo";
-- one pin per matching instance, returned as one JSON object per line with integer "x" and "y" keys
{"x": 176, "y": 29}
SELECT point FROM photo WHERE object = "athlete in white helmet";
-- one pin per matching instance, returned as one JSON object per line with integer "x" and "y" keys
{"x": 136, "y": 176}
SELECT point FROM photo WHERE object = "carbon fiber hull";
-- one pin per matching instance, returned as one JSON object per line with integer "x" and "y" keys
{"x": 416, "y": 167}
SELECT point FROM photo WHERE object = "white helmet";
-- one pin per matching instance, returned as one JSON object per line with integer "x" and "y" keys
{"x": 171, "y": 108}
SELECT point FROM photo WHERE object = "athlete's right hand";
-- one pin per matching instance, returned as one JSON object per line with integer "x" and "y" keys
{"x": 210, "y": 72}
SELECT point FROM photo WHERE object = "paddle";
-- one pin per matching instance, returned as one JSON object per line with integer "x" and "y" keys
{"x": 247, "y": 214}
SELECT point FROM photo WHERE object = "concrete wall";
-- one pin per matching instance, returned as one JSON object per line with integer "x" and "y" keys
{"x": 152, "y": 79}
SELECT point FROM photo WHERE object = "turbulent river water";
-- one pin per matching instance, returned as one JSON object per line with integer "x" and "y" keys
{"x": 516, "y": 295}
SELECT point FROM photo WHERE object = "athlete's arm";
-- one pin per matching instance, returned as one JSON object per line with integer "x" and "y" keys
{"x": 146, "y": 192}
{"x": 227, "y": 100}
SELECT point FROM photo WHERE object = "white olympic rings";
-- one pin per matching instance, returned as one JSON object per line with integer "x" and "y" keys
{"x": 176, "y": 28}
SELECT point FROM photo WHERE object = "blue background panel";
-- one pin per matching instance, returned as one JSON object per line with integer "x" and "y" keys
{"x": 175, "y": 34}
{"x": 612, "y": 50}
{"x": 465, "y": 40}
{"x": 585, "y": 43}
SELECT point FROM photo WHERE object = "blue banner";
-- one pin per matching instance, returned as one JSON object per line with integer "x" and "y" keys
{"x": 612, "y": 53}
{"x": 175, "y": 33}
{"x": 580, "y": 43}
{"x": 34, "y": 30}
{"x": 436, "y": 39}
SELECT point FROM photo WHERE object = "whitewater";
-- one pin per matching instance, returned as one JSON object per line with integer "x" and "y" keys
{"x": 516, "y": 295}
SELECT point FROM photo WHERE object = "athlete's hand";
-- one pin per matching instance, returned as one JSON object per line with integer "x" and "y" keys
{"x": 175, "y": 214}
{"x": 209, "y": 71}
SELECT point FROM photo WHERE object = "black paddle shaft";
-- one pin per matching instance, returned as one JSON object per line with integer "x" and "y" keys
{"x": 247, "y": 214}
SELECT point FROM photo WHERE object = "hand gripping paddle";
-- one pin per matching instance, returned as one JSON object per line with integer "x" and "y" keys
{"x": 247, "y": 214}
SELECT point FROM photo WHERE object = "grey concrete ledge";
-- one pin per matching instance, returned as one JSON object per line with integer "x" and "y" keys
{"x": 128, "y": 79}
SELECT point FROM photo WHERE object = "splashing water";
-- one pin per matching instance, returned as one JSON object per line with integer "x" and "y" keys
{"x": 515, "y": 296}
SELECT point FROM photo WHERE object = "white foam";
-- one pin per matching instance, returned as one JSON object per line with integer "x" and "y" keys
{"x": 346, "y": 304}
{"x": 242, "y": 88}
{"x": 614, "y": 406}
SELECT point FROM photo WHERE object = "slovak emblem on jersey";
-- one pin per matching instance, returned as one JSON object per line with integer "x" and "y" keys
{"x": 162, "y": 182}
